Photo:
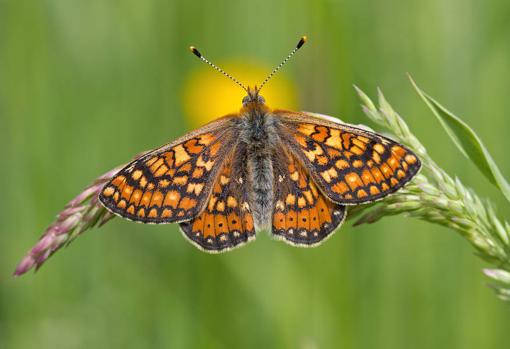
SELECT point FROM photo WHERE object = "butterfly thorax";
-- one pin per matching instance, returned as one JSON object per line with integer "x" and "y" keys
{"x": 258, "y": 135}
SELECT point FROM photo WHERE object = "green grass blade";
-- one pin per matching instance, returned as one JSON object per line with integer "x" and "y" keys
{"x": 467, "y": 141}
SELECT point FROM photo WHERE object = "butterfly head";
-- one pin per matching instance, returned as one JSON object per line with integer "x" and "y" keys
{"x": 253, "y": 97}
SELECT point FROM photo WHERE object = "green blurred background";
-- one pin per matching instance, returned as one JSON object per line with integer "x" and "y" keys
{"x": 85, "y": 85}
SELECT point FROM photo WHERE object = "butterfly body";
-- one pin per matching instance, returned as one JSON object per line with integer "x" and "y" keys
{"x": 257, "y": 131}
{"x": 292, "y": 173}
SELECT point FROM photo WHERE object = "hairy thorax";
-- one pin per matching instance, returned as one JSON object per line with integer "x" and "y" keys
{"x": 258, "y": 133}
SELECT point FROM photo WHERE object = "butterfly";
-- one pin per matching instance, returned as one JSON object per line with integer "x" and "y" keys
{"x": 293, "y": 173}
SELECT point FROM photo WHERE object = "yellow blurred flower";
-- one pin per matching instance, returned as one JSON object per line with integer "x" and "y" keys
{"x": 208, "y": 95}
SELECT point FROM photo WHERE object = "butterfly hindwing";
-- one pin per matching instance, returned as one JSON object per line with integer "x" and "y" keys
{"x": 226, "y": 221}
{"x": 351, "y": 165}
{"x": 302, "y": 215}
{"x": 171, "y": 183}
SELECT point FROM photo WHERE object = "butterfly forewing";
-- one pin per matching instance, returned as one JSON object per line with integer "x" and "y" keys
{"x": 172, "y": 183}
{"x": 302, "y": 215}
{"x": 226, "y": 221}
{"x": 351, "y": 165}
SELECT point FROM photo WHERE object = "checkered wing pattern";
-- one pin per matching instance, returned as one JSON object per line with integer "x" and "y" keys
{"x": 351, "y": 165}
{"x": 172, "y": 183}
{"x": 226, "y": 221}
{"x": 302, "y": 215}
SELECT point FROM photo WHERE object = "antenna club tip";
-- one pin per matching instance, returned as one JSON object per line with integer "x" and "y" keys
{"x": 194, "y": 50}
{"x": 302, "y": 41}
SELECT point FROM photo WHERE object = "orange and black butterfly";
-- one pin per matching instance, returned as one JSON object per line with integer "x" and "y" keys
{"x": 293, "y": 173}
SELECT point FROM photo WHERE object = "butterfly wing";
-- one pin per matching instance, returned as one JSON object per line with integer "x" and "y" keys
{"x": 351, "y": 165}
{"x": 226, "y": 221}
{"x": 302, "y": 215}
{"x": 171, "y": 183}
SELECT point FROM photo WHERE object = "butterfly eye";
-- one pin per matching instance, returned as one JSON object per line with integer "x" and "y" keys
{"x": 246, "y": 100}
{"x": 261, "y": 100}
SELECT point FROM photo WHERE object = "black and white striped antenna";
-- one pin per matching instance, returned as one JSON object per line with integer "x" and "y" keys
{"x": 197, "y": 53}
{"x": 301, "y": 42}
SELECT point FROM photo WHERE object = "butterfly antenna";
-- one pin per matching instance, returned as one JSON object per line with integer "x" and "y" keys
{"x": 197, "y": 53}
{"x": 301, "y": 42}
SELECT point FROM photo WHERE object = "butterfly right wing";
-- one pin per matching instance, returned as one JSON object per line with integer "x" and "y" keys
{"x": 302, "y": 215}
{"x": 172, "y": 183}
{"x": 351, "y": 165}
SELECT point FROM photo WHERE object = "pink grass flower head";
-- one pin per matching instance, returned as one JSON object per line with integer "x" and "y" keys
{"x": 80, "y": 214}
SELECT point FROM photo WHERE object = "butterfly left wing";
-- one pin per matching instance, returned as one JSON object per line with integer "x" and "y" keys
{"x": 226, "y": 221}
{"x": 302, "y": 215}
{"x": 351, "y": 165}
{"x": 172, "y": 183}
